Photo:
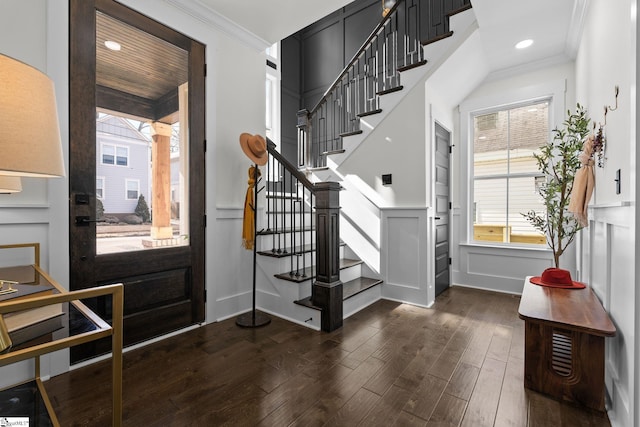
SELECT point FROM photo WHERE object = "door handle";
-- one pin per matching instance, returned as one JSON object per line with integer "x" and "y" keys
{"x": 437, "y": 217}
{"x": 84, "y": 221}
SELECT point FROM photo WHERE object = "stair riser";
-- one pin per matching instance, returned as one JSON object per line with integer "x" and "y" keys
{"x": 286, "y": 221}
{"x": 350, "y": 273}
{"x": 283, "y": 265}
{"x": 285, "y": 240}
{"x": 361, "y": 300}
{"x": 286, "y": 205}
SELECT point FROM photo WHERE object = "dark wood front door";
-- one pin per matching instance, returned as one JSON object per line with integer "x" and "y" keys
{"x": 137, "y": 120}
{"x": 442, "y": 209}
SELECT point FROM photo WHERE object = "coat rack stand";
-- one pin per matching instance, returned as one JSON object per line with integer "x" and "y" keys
{"x": 253, "y": 319}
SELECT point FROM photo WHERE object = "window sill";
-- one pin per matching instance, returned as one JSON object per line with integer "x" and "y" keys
{"x": 510, "y": 246}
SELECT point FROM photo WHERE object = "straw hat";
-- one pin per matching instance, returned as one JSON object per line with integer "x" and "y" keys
{"x": 556, "y": 278}
{"x": 255, "y": 147}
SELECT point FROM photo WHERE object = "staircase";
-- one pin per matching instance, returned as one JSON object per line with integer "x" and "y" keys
{"x": 287, "y": 243}
{"x": 309, "y": 275}
{"x": 401, "y": 52}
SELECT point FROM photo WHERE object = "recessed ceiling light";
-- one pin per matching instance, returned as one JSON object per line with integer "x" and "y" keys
{"x": 110, "y": 44}
{"x": 532, "y": 110}
{"x": 524, "y": 44}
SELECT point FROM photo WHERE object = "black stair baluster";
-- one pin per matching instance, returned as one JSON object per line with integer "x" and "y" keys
{"x": 304, "y": 235}
{"x": 283, "y": 213}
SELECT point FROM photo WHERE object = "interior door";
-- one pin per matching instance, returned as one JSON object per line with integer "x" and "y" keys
{"x": 442, "y": 209}
{"x": 137, "y": 121}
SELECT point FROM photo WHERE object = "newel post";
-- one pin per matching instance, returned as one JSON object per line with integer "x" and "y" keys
{"x": 304, "y": 139}
{"x": 326, "y": 291}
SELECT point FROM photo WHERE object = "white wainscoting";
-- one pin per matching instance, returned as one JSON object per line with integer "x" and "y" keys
{"x": 607, "y": 260}
{"x": 493, "y": 267}
{"x": 406, "y": 255}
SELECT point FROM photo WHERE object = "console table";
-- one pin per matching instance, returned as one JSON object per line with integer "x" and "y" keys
{"x": 93, "y": 328}
{"x": 564, "y": 343}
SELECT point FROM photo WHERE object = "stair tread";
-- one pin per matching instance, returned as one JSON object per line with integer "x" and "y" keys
{"x": 286, "y": 196}
{"x": 309, "y": 272}
{"x": 269, "y": 232}
{"x": 328, "y": 153}
{"x": 390, "y": 90}
{"x": 437, "y": 38}
{"x": 357, "y": 285}
{"x": 286, "y": 252}
{"x": 354, "y": 132}
{"x": 460, "y": 10}
{"x": 414, "y": 65}
{"x": 306, "y": 302}
{"x": 370, "y": 113}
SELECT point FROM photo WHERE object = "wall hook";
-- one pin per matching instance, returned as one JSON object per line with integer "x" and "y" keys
{"x": 608, "y": 108}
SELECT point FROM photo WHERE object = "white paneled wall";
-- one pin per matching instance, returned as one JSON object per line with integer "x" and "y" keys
{"x": 607, "y": 263}
{"x": 406, "y": 255}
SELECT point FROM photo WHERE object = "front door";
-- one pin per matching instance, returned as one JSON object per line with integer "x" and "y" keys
{"x": 442, "y": 208}
{"x": 136, "y": 167}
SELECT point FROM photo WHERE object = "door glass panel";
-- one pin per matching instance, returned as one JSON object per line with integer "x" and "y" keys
{"x": 141, "y": 140}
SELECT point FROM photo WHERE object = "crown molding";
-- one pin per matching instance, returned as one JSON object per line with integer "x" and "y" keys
{"x": 574, "y": 34}
{"x": 203, "y": 13}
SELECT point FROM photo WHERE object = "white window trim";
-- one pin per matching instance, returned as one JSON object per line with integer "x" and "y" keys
{"x": 104, "y": 183}
{"x": 126, "y": 188}
{"x": 115, "y": 154}
{"x": 554, "y": 92}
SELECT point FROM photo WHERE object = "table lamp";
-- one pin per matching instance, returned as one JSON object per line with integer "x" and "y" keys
{"x": 30, "y": 135}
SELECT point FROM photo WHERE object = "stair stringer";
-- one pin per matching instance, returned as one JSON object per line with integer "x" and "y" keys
{"x": 463, "y": 25}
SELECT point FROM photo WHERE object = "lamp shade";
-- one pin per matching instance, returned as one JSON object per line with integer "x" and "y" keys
{"x": 10, "y": 184}
{"x": 30, "y": 142}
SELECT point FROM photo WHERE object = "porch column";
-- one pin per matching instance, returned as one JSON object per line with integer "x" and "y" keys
{"x": 326, "y": 291}
{"x": 161, "y": 181}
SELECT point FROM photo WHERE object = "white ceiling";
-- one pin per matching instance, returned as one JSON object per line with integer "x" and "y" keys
{"x": 554, "y": 25}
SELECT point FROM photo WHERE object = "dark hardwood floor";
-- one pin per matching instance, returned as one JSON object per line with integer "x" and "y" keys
{"x": 457, "y": 364}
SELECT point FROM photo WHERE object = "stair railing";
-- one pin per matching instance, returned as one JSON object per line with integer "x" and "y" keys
{"x": 395, "y": 45}
{"x": 302, "y": 219}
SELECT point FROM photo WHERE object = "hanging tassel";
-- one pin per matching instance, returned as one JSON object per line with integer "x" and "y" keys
{"x": 248, "y": 225}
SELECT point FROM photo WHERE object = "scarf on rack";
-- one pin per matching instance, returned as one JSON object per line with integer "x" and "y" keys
{"x": 583, "y": 184}
{"x": 248, "y": 224}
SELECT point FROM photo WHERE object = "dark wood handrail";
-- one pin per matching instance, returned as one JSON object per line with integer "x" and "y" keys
{"x": 271, "y": 148}
{"x": 355, "y": 57}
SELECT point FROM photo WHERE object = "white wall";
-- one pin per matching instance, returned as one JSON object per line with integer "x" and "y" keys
{"x": 606, "y": 58}
{"x": 503, "y": 268}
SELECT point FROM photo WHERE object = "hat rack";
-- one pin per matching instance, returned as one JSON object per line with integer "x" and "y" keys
{"x": 253, "y": 318}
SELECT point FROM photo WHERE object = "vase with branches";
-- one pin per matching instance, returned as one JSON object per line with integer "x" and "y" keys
{"x": 558, "y": 160}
